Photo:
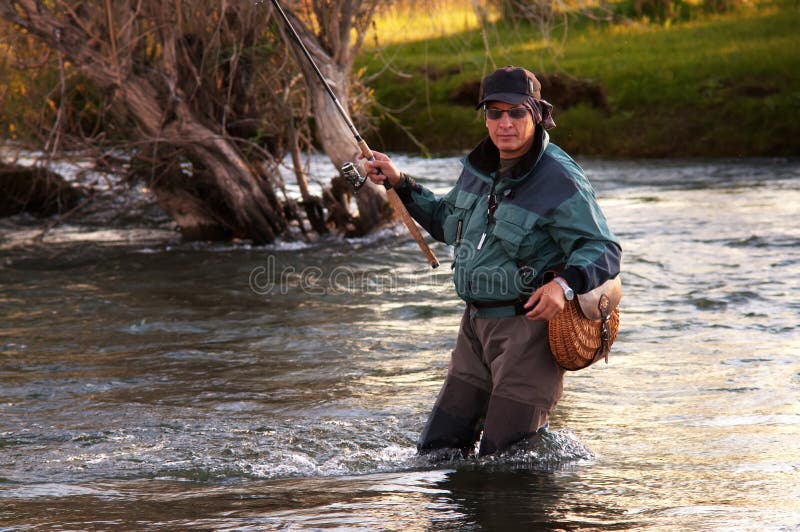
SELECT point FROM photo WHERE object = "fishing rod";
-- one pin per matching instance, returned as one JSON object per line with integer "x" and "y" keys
{"x": 348, "y": 170}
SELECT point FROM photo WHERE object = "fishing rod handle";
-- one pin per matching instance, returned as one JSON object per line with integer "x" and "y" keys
{"x": 365, "y": 151}
{"x": 397, "y": 205}
{"x": 369, "y": 156}
{"x": 400, "y": 209}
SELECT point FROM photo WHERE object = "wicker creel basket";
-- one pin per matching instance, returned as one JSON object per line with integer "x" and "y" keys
{"x": 584, "y": 331}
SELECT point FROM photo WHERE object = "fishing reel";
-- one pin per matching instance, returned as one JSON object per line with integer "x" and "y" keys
{"x": 350, "y": 173}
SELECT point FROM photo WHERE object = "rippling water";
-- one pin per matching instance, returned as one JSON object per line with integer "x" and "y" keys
{"x": 149, "y": 383}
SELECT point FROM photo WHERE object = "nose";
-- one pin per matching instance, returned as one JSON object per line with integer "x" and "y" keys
{"x": 505, "y": 120}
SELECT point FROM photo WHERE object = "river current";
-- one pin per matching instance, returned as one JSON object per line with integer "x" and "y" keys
{"x": 150, "y": 383}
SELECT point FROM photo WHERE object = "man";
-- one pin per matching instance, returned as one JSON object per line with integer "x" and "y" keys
{"x": 528, "y": 235}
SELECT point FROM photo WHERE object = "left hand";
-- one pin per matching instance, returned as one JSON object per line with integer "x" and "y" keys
{"x": 546, "y": 302}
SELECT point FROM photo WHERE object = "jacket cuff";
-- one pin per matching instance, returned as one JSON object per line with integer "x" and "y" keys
{"x": 574, "y": 279}
{"x": 405, "y": 187}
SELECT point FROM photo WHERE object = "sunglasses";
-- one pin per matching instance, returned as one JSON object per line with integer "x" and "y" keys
{"x": 515, "y": 113}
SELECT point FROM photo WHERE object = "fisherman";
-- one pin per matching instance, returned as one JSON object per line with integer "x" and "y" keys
{"x": 528, "y": 235}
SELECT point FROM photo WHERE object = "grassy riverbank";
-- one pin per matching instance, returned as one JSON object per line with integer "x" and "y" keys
{"x": 721, "y": 85}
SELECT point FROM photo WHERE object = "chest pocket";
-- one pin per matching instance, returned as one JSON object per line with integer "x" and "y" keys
{"x": 460, "y": 210}
{"x": 514, "y": 229}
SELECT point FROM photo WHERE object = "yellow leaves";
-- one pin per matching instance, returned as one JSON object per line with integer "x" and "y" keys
{"x": 407, "y": 23}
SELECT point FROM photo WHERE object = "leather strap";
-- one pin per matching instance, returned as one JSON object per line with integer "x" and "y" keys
{"x": 604, "y": 307}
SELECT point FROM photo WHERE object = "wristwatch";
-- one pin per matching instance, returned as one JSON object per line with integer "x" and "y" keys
{"x": 568, "y": 293}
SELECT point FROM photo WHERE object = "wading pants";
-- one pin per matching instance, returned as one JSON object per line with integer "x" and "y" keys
{"x": 502, "y": 379}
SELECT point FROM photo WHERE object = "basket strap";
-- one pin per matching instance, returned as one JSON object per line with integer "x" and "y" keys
{"x": 605, "y": 334}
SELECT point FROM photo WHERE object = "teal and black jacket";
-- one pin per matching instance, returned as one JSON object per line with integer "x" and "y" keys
{"x": 546, "y": 219}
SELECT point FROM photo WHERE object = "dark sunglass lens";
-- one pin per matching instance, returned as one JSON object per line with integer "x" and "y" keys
{"x": 517, "y": 113}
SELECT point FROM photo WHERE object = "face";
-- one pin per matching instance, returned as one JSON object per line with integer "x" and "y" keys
{"x": 513, "y": 137}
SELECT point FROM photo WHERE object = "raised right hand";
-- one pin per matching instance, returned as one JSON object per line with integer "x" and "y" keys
{"x": 381, "y": 169}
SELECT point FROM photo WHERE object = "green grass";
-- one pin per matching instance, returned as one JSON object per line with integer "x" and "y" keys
{"x": 723, "y": 85}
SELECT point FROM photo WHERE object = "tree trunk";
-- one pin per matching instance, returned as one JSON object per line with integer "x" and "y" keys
{"x": 340, "y": 146}
{"x": 151, "y": 97}
{"x": 253, "y": 214}
{"x": 312, "y": 205}
{"x": 332, "y": 131}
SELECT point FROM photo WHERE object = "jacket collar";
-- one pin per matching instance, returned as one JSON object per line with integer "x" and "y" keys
{"x": 486, "y": 157}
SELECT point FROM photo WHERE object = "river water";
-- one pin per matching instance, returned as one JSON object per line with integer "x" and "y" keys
{"x": 149, "y": 383}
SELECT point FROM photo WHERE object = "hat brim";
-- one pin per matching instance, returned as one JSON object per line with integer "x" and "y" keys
{"x": 514, "y": 98}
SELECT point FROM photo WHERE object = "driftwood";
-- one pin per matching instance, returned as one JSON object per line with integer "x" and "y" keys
{"x": 334, "y": 54}
{"x": 206, "y": 95}
{"x": 35, "y": 190}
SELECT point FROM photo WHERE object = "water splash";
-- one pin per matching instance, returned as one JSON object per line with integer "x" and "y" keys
{"x": 545, "y": 450}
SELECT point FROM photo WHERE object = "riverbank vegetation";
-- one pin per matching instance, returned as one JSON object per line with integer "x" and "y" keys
{"x": 674, "y": 80}
{"x": 199, "y": 101}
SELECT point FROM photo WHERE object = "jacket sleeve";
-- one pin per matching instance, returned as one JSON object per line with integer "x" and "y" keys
{"x": 580, "y": 229}
{"x": 428, "y": 209}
